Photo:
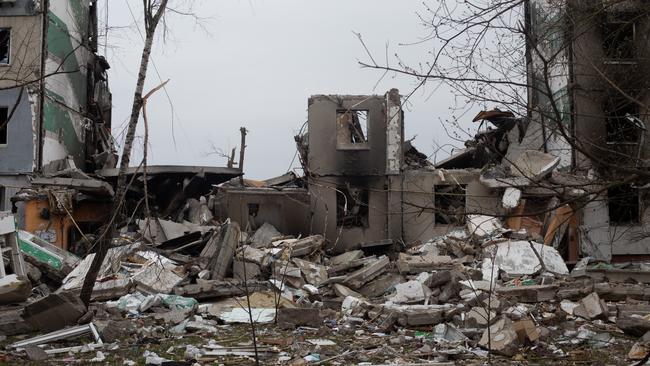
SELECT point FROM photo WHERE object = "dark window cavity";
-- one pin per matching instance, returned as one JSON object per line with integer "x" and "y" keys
{"x": 352, "y": 206}
{"x": 619, "y": 127}
{"x": 3, "y": 126}
{"x": 624, "y": 205}
{"x": 619, "y": 34}
{"x": 5, "y": 45}
{"x": 449, "y": 201}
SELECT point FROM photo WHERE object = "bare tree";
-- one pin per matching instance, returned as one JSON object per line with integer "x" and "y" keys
{"x": 574, "y": 72}
{"x": 153, "y": 13}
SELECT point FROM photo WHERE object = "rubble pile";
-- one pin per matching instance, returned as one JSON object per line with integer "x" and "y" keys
{"x": 473, "y": 292}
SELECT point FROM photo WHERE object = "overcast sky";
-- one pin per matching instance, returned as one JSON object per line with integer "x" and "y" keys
{"x": 254, "y": 64}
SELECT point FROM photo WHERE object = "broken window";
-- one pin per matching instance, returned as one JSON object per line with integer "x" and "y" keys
{"x": 618, "y": 34}
{"x": 620, "y": 128}
{"x": 624, "y": 205}
{"x": 5, "y": 45}
{"x": 3, "y": 126}
{"x": 449, "y": 201}
{"x": 352, "y": 206}
{"x": 253, "y": 209}
{"x": 351, "y": 127}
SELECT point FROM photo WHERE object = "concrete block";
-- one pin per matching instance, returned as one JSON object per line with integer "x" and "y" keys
{"x": 534, "y": 293}
{"x": 591, "y": 307}
{"x": 314, "y": 274}
{"x": 502, "y": 338}
{"x": 364, "y": 275}
{"x": 14, "y": 289}
{"x": 252, "y": 270}
{"x": 54, "y": 312}
{"x": 290, "y": 318}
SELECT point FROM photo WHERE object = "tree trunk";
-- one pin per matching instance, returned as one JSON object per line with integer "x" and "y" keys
{"x": 103, "y": 244}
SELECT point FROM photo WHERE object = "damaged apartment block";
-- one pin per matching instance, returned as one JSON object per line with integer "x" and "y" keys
{"x": 529, "y": 242}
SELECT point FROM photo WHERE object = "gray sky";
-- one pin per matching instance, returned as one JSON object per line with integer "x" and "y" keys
{"x": 254, "y": 63}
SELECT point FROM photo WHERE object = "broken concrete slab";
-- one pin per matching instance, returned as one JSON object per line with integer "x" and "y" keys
{"x": 241, "y": 315}
{"x": 526, "y": 331}
{"x": 479, "y": 316}
{"x": 415, "y": 315}
{"x": 264, "y": 235}
{"x": 54, "y": 311}
{"x": 447, "y": 332}
{"x": 522, "y": 258}
{"x": 254, "y": 255}
{"x": 242, "y": 270}
{"x": 221, "y": 262}
{"x": 591, "y": 307}
{"x": 111, "y": 264}
{"x": 314, "y": 274}
{"x": 353, "y": 264}
{"x": 633, "y": 325}
{"x": 501, "y": 338}
{"x": 344, "y": 291}
{"x": 511, "y": 197}
{"x": 111, "y": 289}
{"x": 422, "y": 263}
{"x": 482, "y": 226}
{"x": 364, "y": 275}
{"x": 528, "y": 294}
{"x": 380, "y": 285}
{"x": 157, "y": 230}
{"x": 290, "y": 318}
{"x": 409, "y": 293}
{"x": 306, "y": 246}
{"x": 345, "y": 257}
{"x": 534, "y": 164}
{"x": 90, "y": 185}
{"x": 36, "y": 353}
{"x": 156, "y": 278}
{"x": 14, "y": 289}
{"x": 12, "y": 322}
{"x": 205, "y": 289}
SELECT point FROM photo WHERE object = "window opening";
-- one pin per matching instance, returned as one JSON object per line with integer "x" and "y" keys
{"x": 624, "y": 205}
{"x": 449, "y": 203}
{"x": 352, "y": 126}
{"x": 352, "y": 206}
{"x": 5, "y": 45}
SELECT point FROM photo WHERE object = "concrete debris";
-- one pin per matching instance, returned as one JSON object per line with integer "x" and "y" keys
{"x": 591, "y": 307}
{"x": 511, "y": 198}
{"x": 482, "y": 226}
{"x": 362, "y": 276}
{"x": 239, "y": 315}
{"x": 502, "y": 338}
{"x": 14, "y": 289}
{"x": 54, "y": 311}
{"x": 533, "y": 164}
{"x": 410, "y": 292}
{"x": 331, "y": 267}
{"x": 264, "y": 235}
{"x": 522, "y": 258}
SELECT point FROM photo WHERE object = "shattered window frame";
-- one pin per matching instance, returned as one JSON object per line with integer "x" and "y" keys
{"x": 5, "y": 46}
{"x": 444, "y": 216}
{"x": 352, "y": 134}
{"x": 617, "y": 44}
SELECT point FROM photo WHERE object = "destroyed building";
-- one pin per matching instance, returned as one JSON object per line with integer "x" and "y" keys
{"x": 55, "y": 105}
{"x": 591, "y": 56}
{"x": 503, "y": 251}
